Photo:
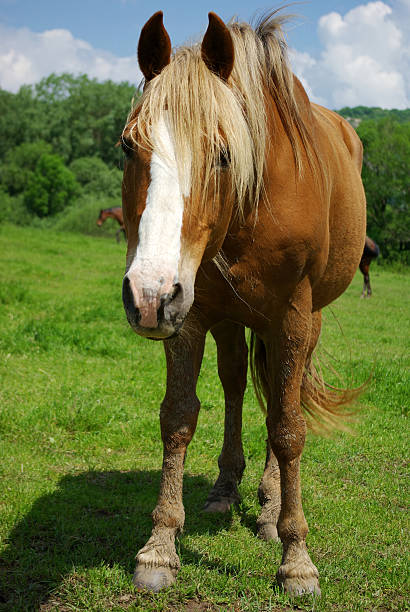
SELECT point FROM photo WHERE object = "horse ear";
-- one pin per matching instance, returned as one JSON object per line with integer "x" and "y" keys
{"x": 217, "y": 47}
{"x": 154, "y": 47}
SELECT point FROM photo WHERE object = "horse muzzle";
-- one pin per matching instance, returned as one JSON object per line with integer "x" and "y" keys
{"x": 154, "y": 314}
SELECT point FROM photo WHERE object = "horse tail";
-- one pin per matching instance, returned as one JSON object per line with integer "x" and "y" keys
{"x": 371, "y": 249}
{"x": 259, "y": 369}
{"x": 376, "y": 249}
{"x": 324, "y": 405}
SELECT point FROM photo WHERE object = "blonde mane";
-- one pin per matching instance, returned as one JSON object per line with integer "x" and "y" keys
{"x": 209, "y": 117}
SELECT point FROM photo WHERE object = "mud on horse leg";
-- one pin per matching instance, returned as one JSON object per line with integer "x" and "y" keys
{"x": 232, "y": 369}
{"x": 157, "y": 561}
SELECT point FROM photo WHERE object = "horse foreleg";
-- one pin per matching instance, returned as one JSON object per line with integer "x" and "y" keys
{"x": 232, "y": 369}
{"x": 157, "y": 561}
{"x": 287, "y": 352}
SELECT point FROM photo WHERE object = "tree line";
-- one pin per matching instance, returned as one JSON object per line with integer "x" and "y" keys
{"x": 59, "y": 163}
{"x": 58, "y": 153}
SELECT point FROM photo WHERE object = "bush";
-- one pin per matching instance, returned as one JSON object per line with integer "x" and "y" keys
{"x": 20, "y": 163}
{"x": 82, "y": 217}
{"x": 13, "y": 210}
{"x": 51, "y": 187}
{"x": 96, "y": 177}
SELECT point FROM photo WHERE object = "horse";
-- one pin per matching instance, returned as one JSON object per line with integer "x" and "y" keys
{"x": 239, "y": 196}
{"x": 113, "y": 213}
{"x": 371, "y": 251}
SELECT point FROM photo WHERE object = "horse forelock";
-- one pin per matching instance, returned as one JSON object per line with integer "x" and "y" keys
{"x": 208, "y": 116}
{"x": 205, "y": 117}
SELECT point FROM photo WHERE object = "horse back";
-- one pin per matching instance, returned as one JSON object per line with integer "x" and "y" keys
{"x": 345, "y": 131}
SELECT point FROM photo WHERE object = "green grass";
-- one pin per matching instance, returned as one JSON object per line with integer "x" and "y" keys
{"x": 80, "y": 449}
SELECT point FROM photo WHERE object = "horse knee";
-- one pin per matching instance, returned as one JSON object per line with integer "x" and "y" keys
{"x": 287, "y": 435}
{"x": 178, "y": 423}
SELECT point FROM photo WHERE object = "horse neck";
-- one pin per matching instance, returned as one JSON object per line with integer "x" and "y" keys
{"x": 113, "y": 215}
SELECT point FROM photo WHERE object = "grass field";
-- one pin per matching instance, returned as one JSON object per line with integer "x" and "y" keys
{"x": 81, "y": 455}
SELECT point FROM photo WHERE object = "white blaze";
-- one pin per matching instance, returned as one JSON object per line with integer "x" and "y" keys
{"x": 154, "y": 269}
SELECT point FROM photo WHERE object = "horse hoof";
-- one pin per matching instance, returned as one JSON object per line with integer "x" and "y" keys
{"x": 268, "y": 532}
{"x": 152, "y": 578}
{"x": 219, "y": 505}
{"x": 298, "y": 587}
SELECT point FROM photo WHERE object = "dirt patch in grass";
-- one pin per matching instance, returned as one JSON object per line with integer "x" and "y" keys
{"x": 55, "y": 604}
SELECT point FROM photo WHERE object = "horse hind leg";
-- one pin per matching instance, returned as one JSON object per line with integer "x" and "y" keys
{"x": 364, "y": 269}
{"x": 369, "y": 289}
{"x": 232, "y": 369}
{"x": 269, "y": 493}
{"x": 269, "y": 498}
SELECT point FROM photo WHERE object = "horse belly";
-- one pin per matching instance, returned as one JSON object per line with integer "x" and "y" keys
{"x": 347, "y": 231}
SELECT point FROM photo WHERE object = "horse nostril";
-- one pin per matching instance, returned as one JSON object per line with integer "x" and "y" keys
{"x": 126, "y": 293}
{"x": 167, "y": 299}
{"x": 177, "y": 288}
{"x": 132, "y": 312}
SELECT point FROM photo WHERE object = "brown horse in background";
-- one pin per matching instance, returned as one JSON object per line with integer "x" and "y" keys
{"x": 112, "y": 213}
{"x": 244, "y": 207}
{"x": 371, "y": 251}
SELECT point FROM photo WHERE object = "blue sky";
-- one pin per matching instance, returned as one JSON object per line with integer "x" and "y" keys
{"x": 347, "y": 52}
{"x": 114, "y": 25}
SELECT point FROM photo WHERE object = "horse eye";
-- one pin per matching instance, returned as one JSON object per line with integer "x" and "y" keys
{"x": 126, "y": 146}
{"x": 224, "y": 158}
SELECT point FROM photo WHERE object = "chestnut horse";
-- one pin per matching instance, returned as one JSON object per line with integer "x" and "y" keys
{"x": 244, "y": 207}
{"x": 112, "y": 213}
{"x": 371, "y": 251}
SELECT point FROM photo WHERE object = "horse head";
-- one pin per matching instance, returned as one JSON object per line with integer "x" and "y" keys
{"x": 187, "y": 151}
{"x": 100, "y": 219}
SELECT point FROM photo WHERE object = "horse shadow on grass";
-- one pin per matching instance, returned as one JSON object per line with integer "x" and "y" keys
{"x": 92, "y": 518}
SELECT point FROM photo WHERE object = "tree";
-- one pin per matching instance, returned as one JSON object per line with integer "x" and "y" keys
{"x": 84, "y": 117}
{"x": 77, "y": 116}
{"x": 96, "y": 177}
{"x": 20, "y": 119}
{"x": 362, "y": 113}
{"x": 20, "y": 163}
{"x": 386, "y": 180}
{"x": 51, "y": 187}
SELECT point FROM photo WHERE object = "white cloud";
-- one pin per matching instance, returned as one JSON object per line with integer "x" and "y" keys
{"x": 365, "y": 59}
{"x": 26, "y": 57}
{"x": 303, "y": 65}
